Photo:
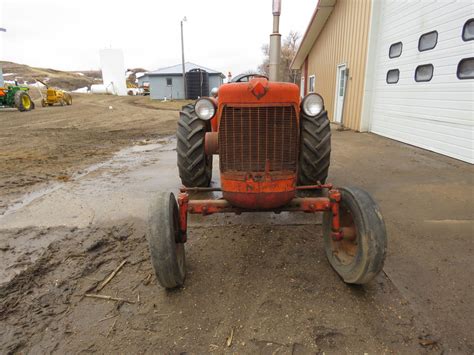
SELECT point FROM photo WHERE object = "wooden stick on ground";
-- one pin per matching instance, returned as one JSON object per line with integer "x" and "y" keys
{"x": 109, "y": 298}
{"x": 111, "y": 276}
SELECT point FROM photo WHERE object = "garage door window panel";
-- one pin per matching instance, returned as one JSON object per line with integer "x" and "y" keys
{"x": 395, "y": 50}
{"x": 466, "y": 69}
{"x": 468, "y": 30}
{"x": 428, "y": 41}
{"x": 424, "y": 73}
{"x": 392, "y": 76}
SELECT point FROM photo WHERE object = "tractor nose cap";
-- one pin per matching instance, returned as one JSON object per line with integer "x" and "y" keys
{"x": 258, "y": 89}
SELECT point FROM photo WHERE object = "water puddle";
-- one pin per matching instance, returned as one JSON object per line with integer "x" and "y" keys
{"x": 125, "y": 158}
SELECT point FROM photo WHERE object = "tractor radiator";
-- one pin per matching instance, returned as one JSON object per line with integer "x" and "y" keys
{"x": 252, "y": 137}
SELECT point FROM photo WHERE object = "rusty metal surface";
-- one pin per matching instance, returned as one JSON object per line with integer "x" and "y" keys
{"x": 251, "y": 137}
{"x": 207, "y": 207}
{"x": 211, "y": 143}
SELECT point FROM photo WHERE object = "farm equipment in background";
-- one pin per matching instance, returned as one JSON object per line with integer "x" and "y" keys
{"x": 54, "y": 96}
{"x": 274, "y": 150}
{"x": 145, "y": 88}
{"x": 16, "y": 96}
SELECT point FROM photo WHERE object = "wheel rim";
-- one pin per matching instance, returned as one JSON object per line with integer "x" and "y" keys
{"x": 26, "y": 102}
{"x": 345, "y": 250}
{"x": 177, "y": 239}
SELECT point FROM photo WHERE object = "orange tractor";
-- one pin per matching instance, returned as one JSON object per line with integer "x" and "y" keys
{"x": 273, "y": 148}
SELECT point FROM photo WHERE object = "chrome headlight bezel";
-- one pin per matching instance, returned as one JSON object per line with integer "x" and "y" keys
{"x": 205, "y": 109}
{"x": 312, "y": 105}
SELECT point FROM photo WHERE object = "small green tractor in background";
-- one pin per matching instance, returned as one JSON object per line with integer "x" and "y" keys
{"x": 16, "y": 96}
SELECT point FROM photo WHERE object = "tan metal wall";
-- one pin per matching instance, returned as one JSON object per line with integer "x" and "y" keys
{"x": 343, "y": 40}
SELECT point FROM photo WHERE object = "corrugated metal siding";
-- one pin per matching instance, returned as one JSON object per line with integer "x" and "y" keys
{"x": 343, "y": 40}
{"x": 437, "y": 115}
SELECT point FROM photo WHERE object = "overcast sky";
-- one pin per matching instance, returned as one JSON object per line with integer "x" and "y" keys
{"x": 67, "y": 34}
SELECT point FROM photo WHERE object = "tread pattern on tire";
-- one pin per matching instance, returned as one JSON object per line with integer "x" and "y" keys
{"x": 195, "y": 169}
{"x": 18, "y": 100}
{"x": 315, "y": 149}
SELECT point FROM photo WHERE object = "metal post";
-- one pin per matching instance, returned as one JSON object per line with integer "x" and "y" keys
{"x": 275, "y": 43}
{"x": 182, "y": 59}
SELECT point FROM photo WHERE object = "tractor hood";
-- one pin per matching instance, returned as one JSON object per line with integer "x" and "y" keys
{"x": 259, "y": 91}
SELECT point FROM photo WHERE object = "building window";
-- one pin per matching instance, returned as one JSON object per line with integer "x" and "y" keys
{"x": 311, "y": 83}
{"x": 169, "y": 81}
{"x": 466, "y": 69}
{"x": 468, "y": 30}
{"x": 424, "y": 72}
{"x": 395, "y": 50}
{"x": 428, "y": 41}
{"x": 392, "y": 76}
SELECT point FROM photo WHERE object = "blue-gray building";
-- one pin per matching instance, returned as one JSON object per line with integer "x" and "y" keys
{"x": 168, "y": 82}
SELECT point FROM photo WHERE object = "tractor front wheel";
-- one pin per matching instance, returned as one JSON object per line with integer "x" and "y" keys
{"x": 44, "y": 103}
{"x": 68, "y": 99}
{"x": 23, "y": 101}
{"x": 195, "y": 167}
{"x": 315, "y": 149}
{"x": 164, "y": 238}
{"x": 360, "y": 255}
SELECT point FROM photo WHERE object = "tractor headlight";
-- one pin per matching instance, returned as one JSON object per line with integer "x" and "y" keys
{"x": 205, "y": 109}
{"x": 312, "y": 105}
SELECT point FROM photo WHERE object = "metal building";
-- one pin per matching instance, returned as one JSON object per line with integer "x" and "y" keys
{"x": 404, "y": 70}
{"x": 168, "y": 82}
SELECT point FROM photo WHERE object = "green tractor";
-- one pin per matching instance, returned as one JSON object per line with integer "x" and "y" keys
{"x": 16, "y": 96}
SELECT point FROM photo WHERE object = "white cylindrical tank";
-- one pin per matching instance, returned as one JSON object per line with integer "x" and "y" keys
{"x": 102, "y": 89}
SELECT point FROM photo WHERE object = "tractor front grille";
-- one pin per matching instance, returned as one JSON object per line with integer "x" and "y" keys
{"x": 251, "y": 137}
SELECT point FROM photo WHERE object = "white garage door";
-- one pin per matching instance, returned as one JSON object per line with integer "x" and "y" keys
{"x": 424, "y": 75}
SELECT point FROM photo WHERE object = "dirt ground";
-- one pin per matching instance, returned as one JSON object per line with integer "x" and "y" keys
{"x": 256, "y": 283}
{"x": 56, "y": 142}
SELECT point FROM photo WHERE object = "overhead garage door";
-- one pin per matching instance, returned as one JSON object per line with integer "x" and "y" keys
{"x": 424, "y": 75}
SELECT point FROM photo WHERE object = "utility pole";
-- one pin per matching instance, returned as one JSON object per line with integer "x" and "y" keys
{"x": 182, "y": 59}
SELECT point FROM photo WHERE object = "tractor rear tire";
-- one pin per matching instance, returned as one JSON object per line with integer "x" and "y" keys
{"x": 195, "y": 167}
{"x": 360, "y": 255}
{"x": 315, "y": 149}
{"x": 22, "y": 101}
{"x": 166, "y": 249}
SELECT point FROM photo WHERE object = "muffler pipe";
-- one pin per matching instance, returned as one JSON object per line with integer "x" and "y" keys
{"x": 275, "y": 43}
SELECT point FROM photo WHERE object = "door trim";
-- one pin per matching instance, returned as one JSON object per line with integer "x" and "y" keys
{"x": 336, "y": 93}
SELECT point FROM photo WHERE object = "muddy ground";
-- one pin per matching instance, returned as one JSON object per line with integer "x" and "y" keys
{"x": 256, "y": 283}
{"x": 55, "y": 143}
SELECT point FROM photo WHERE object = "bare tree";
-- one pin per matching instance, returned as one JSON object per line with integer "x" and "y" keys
{"x": 289, "y": 48}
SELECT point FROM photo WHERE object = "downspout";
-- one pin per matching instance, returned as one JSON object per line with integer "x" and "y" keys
{"x": 305, "y": 76}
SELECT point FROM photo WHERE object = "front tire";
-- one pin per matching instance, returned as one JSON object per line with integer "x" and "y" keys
{"x": 315, "y": 149}
{"x": 68, "y": 99}
{"x": 195, "y": 167}
{"x": 360, "y": 255}
{"x": 166, "y": 249}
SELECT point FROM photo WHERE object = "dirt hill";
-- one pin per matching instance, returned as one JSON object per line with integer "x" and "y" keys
{"x": 66, "y": 80}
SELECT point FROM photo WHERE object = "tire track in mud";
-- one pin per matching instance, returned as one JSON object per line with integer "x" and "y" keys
{"x": 270, "y": 285}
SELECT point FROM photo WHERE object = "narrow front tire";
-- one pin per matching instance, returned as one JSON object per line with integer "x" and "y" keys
{"x": 360, "y": 255}
{"x": 166, "y": 249}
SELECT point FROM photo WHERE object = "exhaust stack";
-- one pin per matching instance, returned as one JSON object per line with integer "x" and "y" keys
{"x": 275, "y": 43}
